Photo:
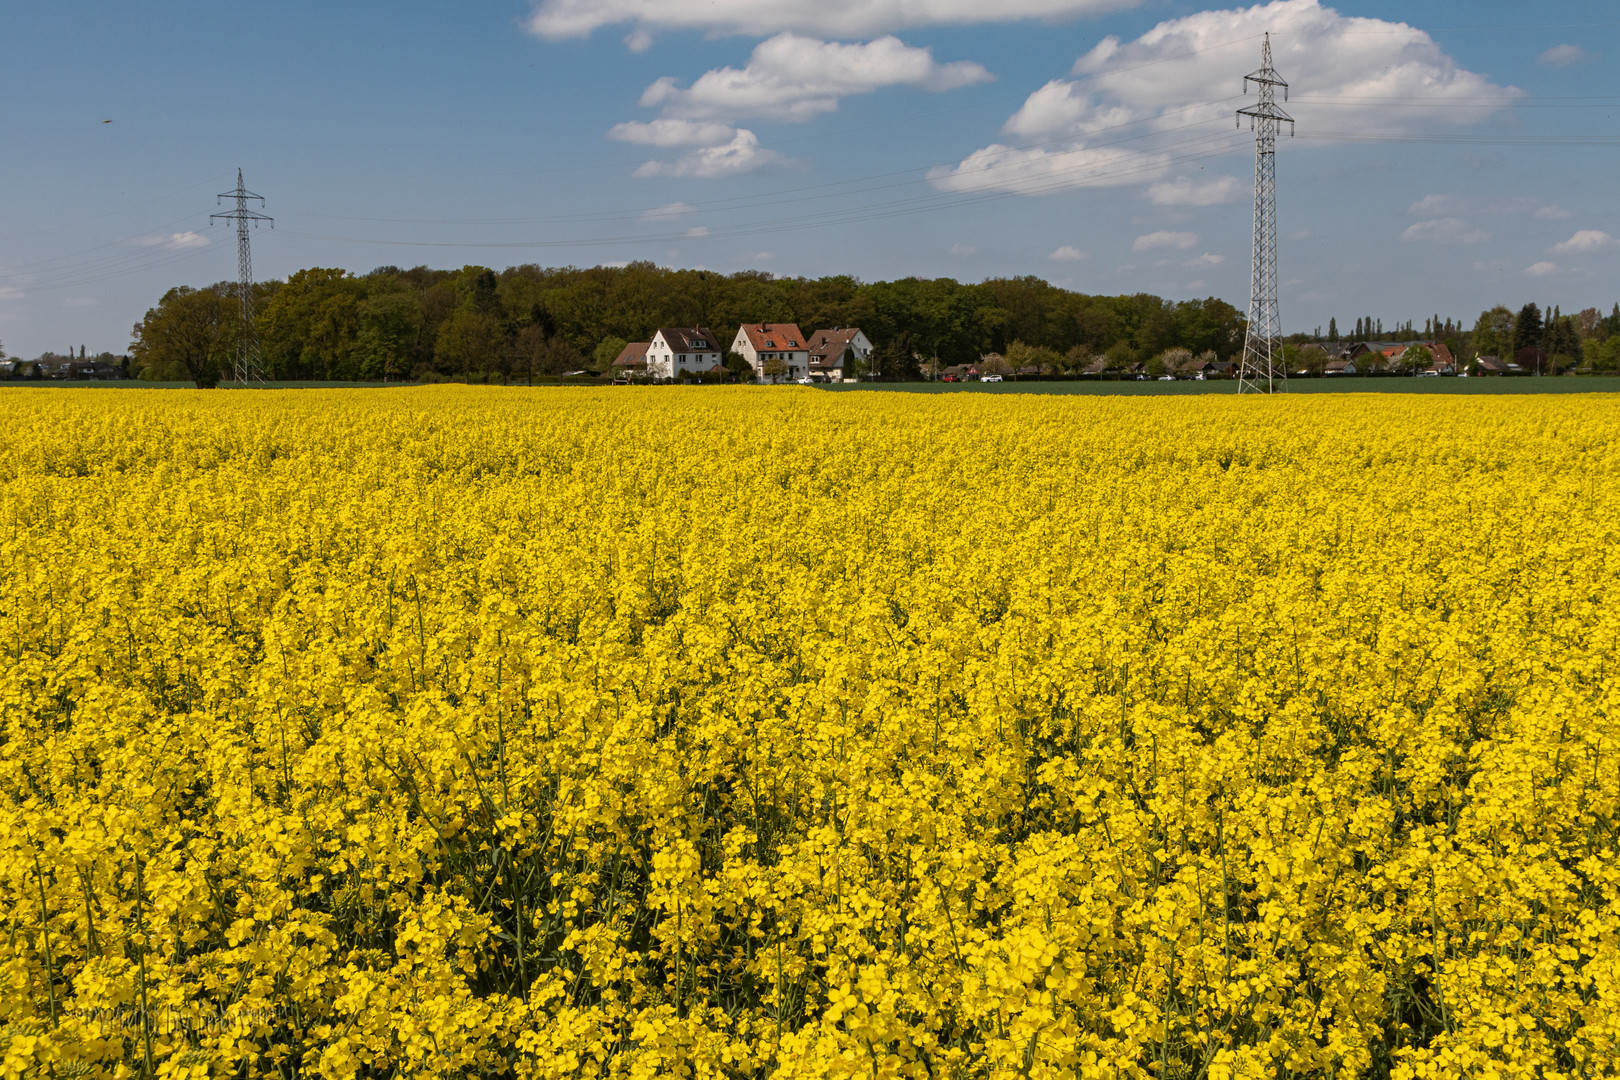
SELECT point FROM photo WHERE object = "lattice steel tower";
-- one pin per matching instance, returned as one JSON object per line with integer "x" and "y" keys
{"x": 1263, "y": 370}
{"x": 249, "y": 364}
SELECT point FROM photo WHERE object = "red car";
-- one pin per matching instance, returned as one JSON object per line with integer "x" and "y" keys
{"x": 951, "y": 378}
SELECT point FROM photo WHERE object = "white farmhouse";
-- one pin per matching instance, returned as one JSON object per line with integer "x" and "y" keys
{"x": 760, "y": 343}
{"x": 830, "y": 348}
{"x": 673, "y": 351}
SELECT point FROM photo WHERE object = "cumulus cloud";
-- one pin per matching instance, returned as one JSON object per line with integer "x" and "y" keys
{"x": 1451, "y": 206}
{"x": 1206, "y": 259}
{"x": 173, "y": 241}
{"x": 1067, "y": 253}
{"x": 1183, "y": 191}
{"x": 669, "y": 131}
{"x": 796, "y": 78}
{"x": 1036, "y": 170}
{"x": 1583, "y": 241}
{"x": 788, "y": 78}
{"x": 1154, "y": 241}
{"x": 673, "y": 210}
{"x": 1173, "y": 84}
{"x": 1541, "y": 269}
{"x": 1444, "y": 231}
{"x": 742, "y": 154}
{"x": 1564, "y": 56}
{"x": 556, "y": 19}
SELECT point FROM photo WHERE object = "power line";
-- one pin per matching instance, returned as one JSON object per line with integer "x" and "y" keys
{"x": 1262, "y": 370}
{"x": 249, "y": 365}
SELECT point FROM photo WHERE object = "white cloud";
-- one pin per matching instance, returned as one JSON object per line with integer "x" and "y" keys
{"x": 1564, "y": 56}
{"x": 173, "y": 241}
{"x": 742, "y": 154}
{"x": 963, "y": 249}
{"x": 673, "y": 210}
{"x": 697, "y": 232}
{"x": 9, "y": 293}
{"x": 638, "y": 40}
{"x": 1583, "y": 241}
{"x": 1037, "y": 170}
{"x": 1067, "y": 253}
{"x": 796, "y": 78}
{"x": 668, "y": 131}
{"x": 1179, "y": 76}
{"x": 1179, "y": 241}
{"x": 788, "y": 77}
{"x": 1541, "y": 269}
{"x": 1064, "y": 108}
{"x": 1433, "y": 205}
{"x": 1205, "y": 259}
{"x": 1184, "y": 191}
{"x": 1444, "y": 231}
{"x": 841, "y": 18}
{"x": 1451, "y": 206}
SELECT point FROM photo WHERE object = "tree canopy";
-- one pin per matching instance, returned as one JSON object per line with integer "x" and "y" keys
{"x": 513, "y": 324}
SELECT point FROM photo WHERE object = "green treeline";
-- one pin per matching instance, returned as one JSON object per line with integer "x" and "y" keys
{"x": 528, "y": 321}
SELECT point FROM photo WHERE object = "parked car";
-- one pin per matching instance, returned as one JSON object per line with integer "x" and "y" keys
{"x": 1167, "y": 378}
{"x": 990, "y": 378}
{"x": 951, "y": 378}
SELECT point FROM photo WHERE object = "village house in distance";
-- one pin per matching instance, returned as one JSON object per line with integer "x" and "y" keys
{"x": 777, "y": 352}
{"x": 832, "y": 351}
{"x": 764, "y": 344}
{"x": 671, "y": 353}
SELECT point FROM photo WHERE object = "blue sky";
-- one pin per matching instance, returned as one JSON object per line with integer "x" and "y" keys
{"x": 1449, "y": 156}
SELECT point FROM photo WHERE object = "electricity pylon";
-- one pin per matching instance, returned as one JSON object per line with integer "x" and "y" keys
{"x": 249, "y": 364}
{"x": 1263, "y": 370}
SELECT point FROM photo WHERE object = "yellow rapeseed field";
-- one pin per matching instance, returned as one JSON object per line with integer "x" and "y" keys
{"x": 778, "y": 733}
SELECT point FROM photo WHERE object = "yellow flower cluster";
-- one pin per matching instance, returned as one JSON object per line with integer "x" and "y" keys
{"x": 747, "y": 733}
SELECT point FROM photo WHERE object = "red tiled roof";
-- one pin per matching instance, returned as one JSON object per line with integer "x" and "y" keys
{"x": 776, "y": 337}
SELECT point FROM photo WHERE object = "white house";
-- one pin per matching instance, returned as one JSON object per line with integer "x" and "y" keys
{"x": 760, "y": 343}
{"x": 829, "y": 349}
{"x": 673, "y": 351}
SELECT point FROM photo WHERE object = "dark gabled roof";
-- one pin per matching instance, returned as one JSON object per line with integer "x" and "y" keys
{"x": 695, "y": 339}
{"x": 633, "y": 354}
{"x": 831, "y": 343}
